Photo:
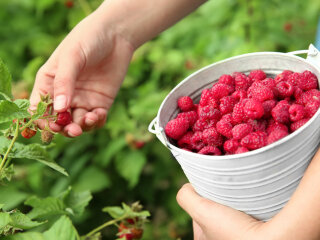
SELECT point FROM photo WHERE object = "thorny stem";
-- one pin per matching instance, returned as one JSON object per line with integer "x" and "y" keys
{"x": 16, "y": 133}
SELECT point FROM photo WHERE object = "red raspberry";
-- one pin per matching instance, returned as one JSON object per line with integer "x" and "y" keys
{"x": 285, "y": 89}
{"x": 241, "y": 130}
{"x": 206, "y": 94}
{"x": 276, "y": 135}
{"x": 197, "y": 141}
{"x": 210, "y": 150}
{"x": 69, "y": 4}
{"x": 220, "y": 90}
{"x": 224, "y": 128}
{"x": 185, "y": 103}
{"x": 311, "y": 108}
{"x": 228, "y": 118}
{"x": 28, "y": 133}
{"x": 239, "y": 95}
{"x": 209, "y": 113}
{"x": 258, "y": 125}
{"x": 241, "y": 150}
{"x": 238, "y": 115}
{"x": 268, "y": 82}
{"x": 267, "y": 107}
{"x": 298, "y": 124}
{"x": 257, "y": 75}
{"x": 242, "y": 82}
{"x": 212, "y": 137}
{"x": 63, "y": 118}
{"x": 231, "y": 146}
{"x": 283, "y": 76}
{"x": 254, "y": 140}
{"x": 297, "y": 92}
{"x": 253, "y": 109}
{"x": 280, "y": 112}
{"x": 276, "y": 126}
{"x": 294, "y": 78}
{"x": 213, "y": 102}
{"x": 297, "y": 112}
{"x": 308, "y": 81}
{"x": 308, "y": 96}
{"x": 176, "y": 128}
{"x": 260, "y": 92}
{"x": 191, "y": 116}
{"x": 185, "y": 140}
{"x": 137, "y": 233}
{"x": 226, "y": 79}
{"x": 226, "y": 104}
{"x": 200, "y": 125}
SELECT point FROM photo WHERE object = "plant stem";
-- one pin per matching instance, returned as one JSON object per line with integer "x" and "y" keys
{"x": 10, "y": 146}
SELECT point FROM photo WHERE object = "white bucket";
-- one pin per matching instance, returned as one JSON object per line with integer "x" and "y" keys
{"x": 258, "y": 182}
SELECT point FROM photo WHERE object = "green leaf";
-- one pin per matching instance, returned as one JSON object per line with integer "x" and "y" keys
{"x": 62, "y": 230}
{"x": 5, "y": 79}
{"x": 41, "y": 109}
{"x": 23, "y": 104}
{"x": 11, "y": 197}
{"x": 115, "y": 212}
{"x": 77, "y": 201}
{"x": 5, "y": 125}
{"x": 10, "y": 111}
{"x": 44, "y": 207}
{"x": 96, "y": 236}
{"x": 25, "y": 236}
{"x": 20, "y": 220}
{"x": 129, "y": 165}
{"x": 7, "y": 173}
{"x": 4, "y": 97}
{"x": 4, "y": 220}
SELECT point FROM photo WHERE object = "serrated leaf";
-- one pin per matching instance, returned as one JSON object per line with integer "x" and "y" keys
{"x": 11, "y": 197}
{"x": 4, "y": 97}
{"x": 44, "y": 207}
{"x": 22, "y": 221}
{"x": 5, "y": 79}
{"x": 114, "y": 212}
{"x": 5, "y": 125}
{"x": 129, "y": 165}
{"x": 10, "y": 111}
{"x": 25, "y": 236}
{"x": 41, "y": 109}
{"x": 23, "y": 104}
{"x": 62, "y": 230}
{"x": 4, "y": 220}
{"x": 7, "y": 173}
{"x": 142, "y": 214}
{"x": 77, "y": 201}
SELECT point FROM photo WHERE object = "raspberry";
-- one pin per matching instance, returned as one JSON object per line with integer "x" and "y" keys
{"x": 242, "y": 82}
{"x": 191, "y": 116}
{"x": 283, "y": 76}
{"x": 253, "y": 109}
{"x": 185, "y": 140}
{"x": 257, "y": 75}
{"x": 176, "y": 128}
{"x": 185, "y": 104}
{"x": 258, "y": 125}
{"x": 209, "y": 113}
{"x": 294, "y": 78}
{"x": 231, "y": 146}
{"x": 298, "y": 124}
{"x": 241, "y": 150}
{"x": 69, "y": 4}
{"x": 197, "y": 141}
{"x": 200, "y": 125}
{"x": 267, "y": 107}
{"x": 228, "y": 118}
{"x": 213, "y": 102}
{"x": 238, "y": 115}
{"x": 46, "y": 136}
{"x": 276, "y": 135}
{"x": 137, "y": 233}
{"x": 311, "y": 108}
{"x": 226, "y": 104}
{"x": 268, "y": 82}
{"x": 220, "y": 90}
{"x": 297, "y": 112}
{"x": 210, "y": 150}
{"x": 285, "y": 89}
{"x": 260, "y": 92}
{"x": 254, "y": 140}
{"x": 212, "y": 137}
{"x": 308, "y": 81}
{"x": 28, "y": 133}
{"x": 297, "y": 92}
{"x": 276, "y": 126}
{"x": 226, "y": 79}
{"x": 206, "y": 94}
{"x": 239, "y": 95}
{"x": 308, "y": 96}
{"x": 224, "y": 128}
{"x": 64, "y": 118}
{"x": 241, "y": 130}
{"x": 280, "y": 112}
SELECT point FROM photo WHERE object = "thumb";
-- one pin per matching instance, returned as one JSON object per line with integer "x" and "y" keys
{"x": 70, "y": 64}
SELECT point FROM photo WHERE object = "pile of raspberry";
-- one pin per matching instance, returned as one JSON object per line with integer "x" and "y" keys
{"x": 241, "y": 113}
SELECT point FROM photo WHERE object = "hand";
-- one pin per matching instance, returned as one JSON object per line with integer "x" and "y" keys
{"x": 213, "y": 221}
{"x": 84, "y": 74}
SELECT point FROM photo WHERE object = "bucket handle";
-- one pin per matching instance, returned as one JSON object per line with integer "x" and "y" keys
{"x": 313, "y": 55}
{"x": 158, "y": 131}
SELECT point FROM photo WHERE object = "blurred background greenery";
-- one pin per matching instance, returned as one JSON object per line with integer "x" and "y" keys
{"x": 122, "y": 162}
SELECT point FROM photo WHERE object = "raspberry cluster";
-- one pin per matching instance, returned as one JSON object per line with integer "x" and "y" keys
{"x": 245, "y": 112}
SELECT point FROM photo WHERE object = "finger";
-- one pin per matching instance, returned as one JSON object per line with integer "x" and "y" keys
{"x": 42, "y": 124}
{"x": 204, "y": 211}
{"x": 197, "y": 231}
{"x": 72, "y": 130}
{"x": 90, "y": 121}
{"x": 102, "y": 116}
{"x": 69, "y": 66}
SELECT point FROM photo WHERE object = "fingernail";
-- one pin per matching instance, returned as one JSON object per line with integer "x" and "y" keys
{"x": 89, "y": 122}
{"x": 60, "y": 102}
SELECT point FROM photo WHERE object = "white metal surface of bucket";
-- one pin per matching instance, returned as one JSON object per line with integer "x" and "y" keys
{"x": 258, "y": 182}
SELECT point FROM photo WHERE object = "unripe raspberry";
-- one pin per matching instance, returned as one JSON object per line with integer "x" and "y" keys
{"x": 46, "y": 136}
{"x": 64, "y": 118}
{"x": 185, "y": 104}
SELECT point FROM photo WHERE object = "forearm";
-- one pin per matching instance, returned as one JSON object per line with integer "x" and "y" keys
{"x": 140, "y": 20}
{"x": 300, "y": 218}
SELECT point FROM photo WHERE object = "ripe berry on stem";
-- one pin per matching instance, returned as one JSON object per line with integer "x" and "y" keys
{"x": 63, "y": 118}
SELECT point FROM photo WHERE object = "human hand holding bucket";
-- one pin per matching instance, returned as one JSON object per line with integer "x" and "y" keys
{"x": 259, "y": 182}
